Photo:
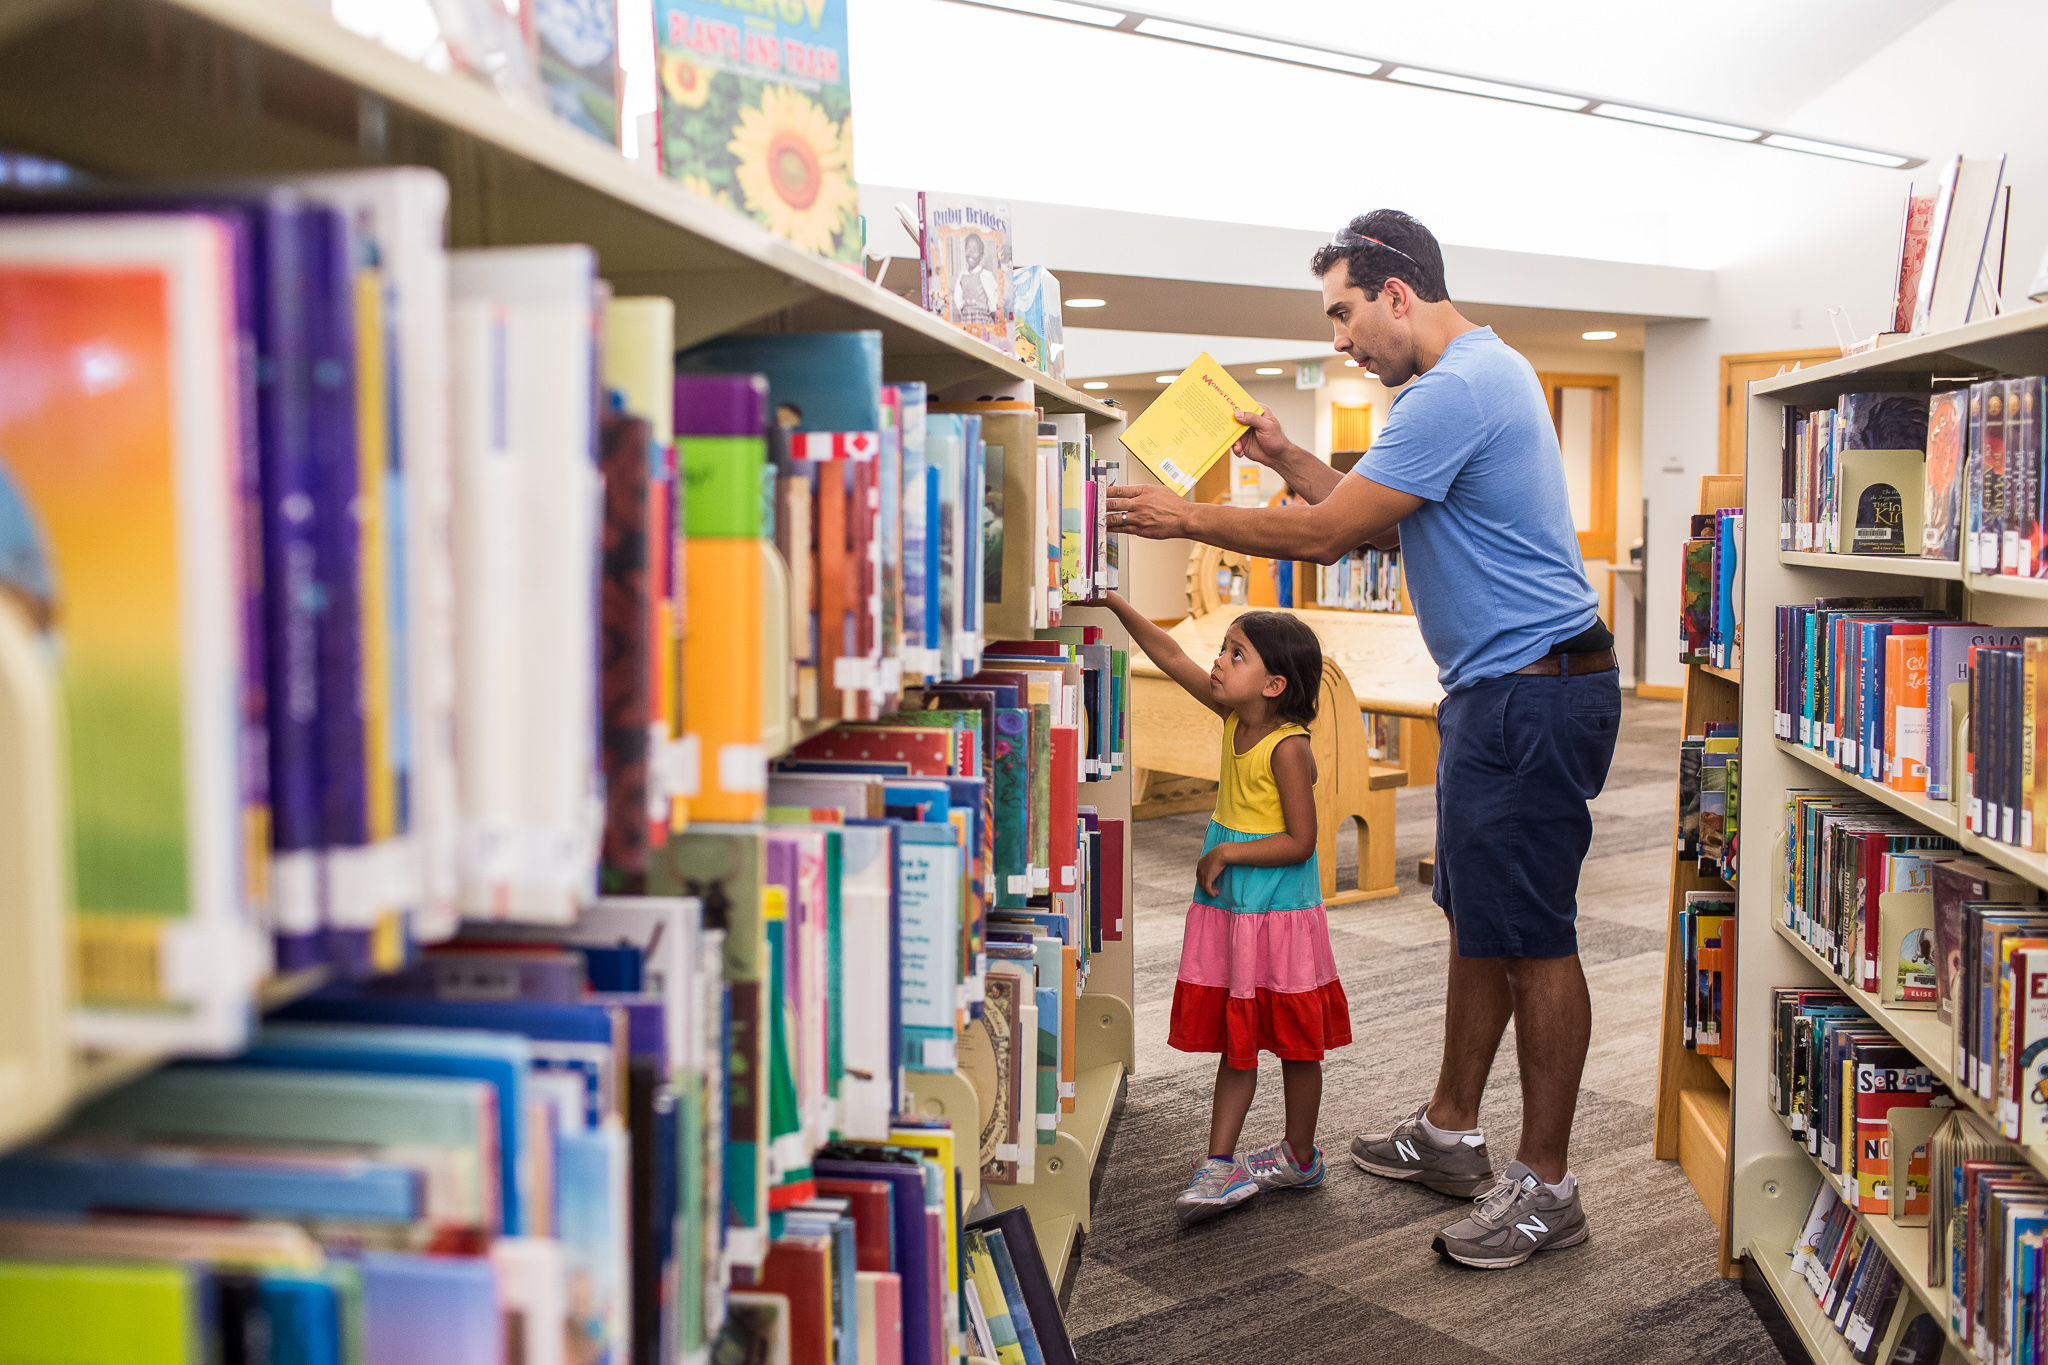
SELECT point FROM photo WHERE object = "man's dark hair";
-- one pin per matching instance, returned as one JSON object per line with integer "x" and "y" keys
{"x": 1381, "y": 245}
{"x": 1291, "y": 652}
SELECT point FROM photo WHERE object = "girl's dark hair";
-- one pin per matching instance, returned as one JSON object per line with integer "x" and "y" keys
{"x": 1290, "y": 651}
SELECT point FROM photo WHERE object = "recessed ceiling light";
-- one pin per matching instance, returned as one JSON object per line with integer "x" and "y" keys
{"x": 1657, "y": 118}
{"x": 1059, "y": 9}
{"x": 1467, "y": 85}
{"x": 1085, "y": 303}
{"x": 1165, "y": 378}
{"x": 1598, "y": 336}
{"x": 1259, "y": 47}
{"x": 1834, "y": 149}
{"x": 1096, "y": 384}
{"x": 1349, "y": 363}
{"x": 1269, "y": 369}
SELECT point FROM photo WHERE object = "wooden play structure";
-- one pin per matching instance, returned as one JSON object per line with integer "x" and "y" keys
{"x": 1372, "y": 661}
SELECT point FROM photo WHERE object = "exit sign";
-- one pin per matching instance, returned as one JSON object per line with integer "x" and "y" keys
{"x": 1308, "y": 375}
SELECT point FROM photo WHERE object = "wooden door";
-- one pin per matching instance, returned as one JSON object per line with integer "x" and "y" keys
{"x": 1736, "y": 372}
{"x": 1586, "y": 410}
{"x": 1350, "y": 426}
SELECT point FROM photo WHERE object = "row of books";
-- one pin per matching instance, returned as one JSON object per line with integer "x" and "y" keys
{"x": 1364, "y": 580}
{"x": 1958, "y": 476}
{"x": 1854, "y": 1284}
{"x": 1857, "y": 1288}
{"x": 1710, "y": 798}
{"x": 1987, "y": 1241}
{"x": 2003, "y": 772}
{"x": 1706, "y": 937}
{"x": 1710, "y": 590}
{"x": 1837, "y": 1077}
{"x": 1859, "y": 891}
{"x": 1871, "y": 682}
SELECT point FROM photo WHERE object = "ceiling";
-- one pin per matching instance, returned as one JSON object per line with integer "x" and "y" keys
{"x": 1119, "y": 122}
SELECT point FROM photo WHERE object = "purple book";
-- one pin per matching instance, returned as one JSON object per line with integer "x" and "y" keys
{"x": 334, "y": 457}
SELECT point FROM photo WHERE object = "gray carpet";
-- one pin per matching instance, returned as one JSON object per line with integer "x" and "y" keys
{"x": 1345, "y": 1273}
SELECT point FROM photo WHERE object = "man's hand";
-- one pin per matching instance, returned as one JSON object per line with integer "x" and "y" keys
{"x": 1147, "y": 509}
{"x": 1209, "y": 871}
{"x": 1264, "y": 443}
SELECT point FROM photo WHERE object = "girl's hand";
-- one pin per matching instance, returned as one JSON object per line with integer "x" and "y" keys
{"x": 1209, "y": 871}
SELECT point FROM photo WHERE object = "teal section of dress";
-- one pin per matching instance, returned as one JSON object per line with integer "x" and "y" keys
{"x": 1254, "y": 890}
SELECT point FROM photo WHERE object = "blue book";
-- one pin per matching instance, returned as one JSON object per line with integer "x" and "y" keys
{"x": 432, "y": 1310}
{"x": 500, "y": 1059}
{"x": 305, "y": 1320}
{"x": 928, "y": 938}
{"x": 178, "y": 1180}
{"x": 1013, "y": 1295}
{"x": 817, "y": 381}
{"x": 592, "y": 1223}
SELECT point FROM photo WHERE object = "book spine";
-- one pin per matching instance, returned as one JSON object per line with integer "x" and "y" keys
{"x": 626, "y": 622}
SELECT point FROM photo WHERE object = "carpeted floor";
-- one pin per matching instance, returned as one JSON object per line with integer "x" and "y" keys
{"x": 1345, "y": 1273}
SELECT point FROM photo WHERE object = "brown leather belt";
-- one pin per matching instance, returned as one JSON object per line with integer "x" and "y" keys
{"x": 1593, "y": 661}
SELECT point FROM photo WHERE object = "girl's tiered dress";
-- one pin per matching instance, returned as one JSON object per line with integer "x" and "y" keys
{"x": 1256, "y": 970}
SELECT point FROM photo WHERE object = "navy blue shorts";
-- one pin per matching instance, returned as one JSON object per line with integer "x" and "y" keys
{"x": 1518, "y": 759}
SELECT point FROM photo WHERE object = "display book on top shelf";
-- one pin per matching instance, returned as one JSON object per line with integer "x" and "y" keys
{"x": 1772, "y": 1178}
{"x": 312, "y": 96}
{"x": 1693, "y": 1110}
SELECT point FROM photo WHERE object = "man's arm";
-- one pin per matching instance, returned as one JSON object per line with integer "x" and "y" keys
{"x": 1356, "y": 512}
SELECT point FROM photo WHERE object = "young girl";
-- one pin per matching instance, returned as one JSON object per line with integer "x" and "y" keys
{"x": 1256, "y": 970}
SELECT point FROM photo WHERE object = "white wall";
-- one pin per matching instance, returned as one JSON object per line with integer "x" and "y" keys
{"x": 1966, "y": 80}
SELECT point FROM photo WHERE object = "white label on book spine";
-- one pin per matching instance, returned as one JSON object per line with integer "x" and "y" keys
{"x": 939, "y": 1054}
{"x": 2010, "y": 551}
{"x": 742, "y": 768}
{"x": 1066, "y": 1090}
{"x": 1041, "y": 879}
{"x": 1006, "y": 1151}
{"x": 686, "y": 756}
{"x": 1019, "y": 884}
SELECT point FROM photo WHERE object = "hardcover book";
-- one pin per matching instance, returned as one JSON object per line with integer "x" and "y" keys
{"x": 965, "y": 267}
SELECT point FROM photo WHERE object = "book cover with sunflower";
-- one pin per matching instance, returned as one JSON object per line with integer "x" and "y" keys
{"x": 756, "y": 114}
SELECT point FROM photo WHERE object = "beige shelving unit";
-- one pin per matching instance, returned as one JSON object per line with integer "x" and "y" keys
{"x": 140, "y": 90}
{"x": 1772, "y": 1179}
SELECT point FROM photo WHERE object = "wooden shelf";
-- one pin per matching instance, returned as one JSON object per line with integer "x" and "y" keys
{"x": 1733, "y": 675}
{"x": 1897, "y": 566}
{"x": 1724, "y": 1067}
{"x": 1703, "y": 1146}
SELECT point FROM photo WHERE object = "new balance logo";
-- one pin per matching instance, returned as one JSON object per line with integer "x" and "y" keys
{"x": 1407, "y": 1151}
{"x": 1532, "y": 1227}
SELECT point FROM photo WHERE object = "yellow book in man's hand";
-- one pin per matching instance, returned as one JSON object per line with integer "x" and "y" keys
{"x": 1188, "y": 427}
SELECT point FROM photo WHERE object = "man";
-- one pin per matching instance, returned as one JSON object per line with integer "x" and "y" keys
{"x": 1467, "y": 481}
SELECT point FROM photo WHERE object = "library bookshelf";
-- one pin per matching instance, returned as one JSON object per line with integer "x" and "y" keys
{"x": 1771, "y": 1177}
{"x": 1693, "y": 1110}
{"x": 155, "y": 90}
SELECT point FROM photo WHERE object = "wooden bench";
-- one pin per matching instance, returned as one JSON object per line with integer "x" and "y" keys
{"x": 1175, "y": 734}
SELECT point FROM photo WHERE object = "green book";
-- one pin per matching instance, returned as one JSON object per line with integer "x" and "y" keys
{"x": 1010, "y": 787}
{"x": 1040, "y": 761}
{"x": 83, "y": 1314}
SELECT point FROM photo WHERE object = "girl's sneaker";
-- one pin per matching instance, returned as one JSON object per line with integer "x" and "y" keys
{"x": 1273, "y": 1169}
{"x": 1215, "y": 1186}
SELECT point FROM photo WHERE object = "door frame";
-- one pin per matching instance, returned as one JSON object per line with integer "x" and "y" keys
{"x": 1733, "y": 459}
{"x": 1597, "y": 543}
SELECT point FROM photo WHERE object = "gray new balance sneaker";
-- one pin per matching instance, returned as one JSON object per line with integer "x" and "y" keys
{"x": 1214, "y": 1186}
{"x": 1462, "y": 1168}
{"x": 1518, "y": 1219}
{"x": 1273, "y": 1169}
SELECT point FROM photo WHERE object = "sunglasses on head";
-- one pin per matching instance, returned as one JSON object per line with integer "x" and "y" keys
{"x": 1347, "y": 238}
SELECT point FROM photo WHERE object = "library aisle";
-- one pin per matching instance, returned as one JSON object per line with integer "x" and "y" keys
{"x": 1345, "y": 1273}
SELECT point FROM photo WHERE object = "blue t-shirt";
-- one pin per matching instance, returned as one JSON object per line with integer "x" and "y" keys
{"x": 1491, "y": 555}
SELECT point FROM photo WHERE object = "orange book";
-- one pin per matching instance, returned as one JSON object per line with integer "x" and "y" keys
{"x": 1905, "y": 687}
{"x": 722, "y": 681}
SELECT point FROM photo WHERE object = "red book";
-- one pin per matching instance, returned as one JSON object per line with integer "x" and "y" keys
{"x": 928, "y": 749}
{"x": 1066, "y": 799}
{"x": 800, "y": 1269}
{"x": 868, "y": 1206}
{"x": 935, "y": 1260}
{"x": 1112, "y": 881}
{"x": 1033, "y": 649}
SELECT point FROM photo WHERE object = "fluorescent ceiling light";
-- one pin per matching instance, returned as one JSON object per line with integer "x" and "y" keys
{"x": 1164, "y": 378}
{"x": 1085, "y": 303}
{"x": 1096, "y": 384}
{"x": 1259, "y": 47}
{"x": 1059, "y": 9}
{"x": 1468, "y": 85}
{"x": 1269, "y": 369}
{"x": 1680, "y": 123}
{"x": 1834, "y": 149}
{"x": 1598, "y": 336}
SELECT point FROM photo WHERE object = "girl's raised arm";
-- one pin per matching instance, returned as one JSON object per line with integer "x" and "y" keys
{"x": 1163, "y": 650}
